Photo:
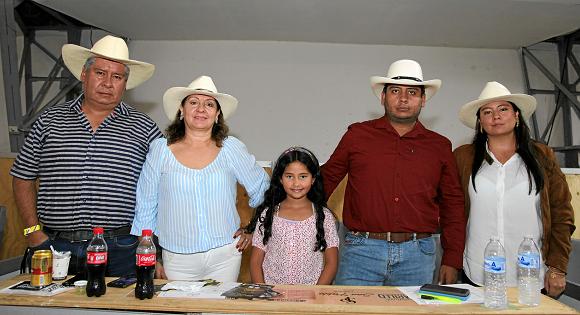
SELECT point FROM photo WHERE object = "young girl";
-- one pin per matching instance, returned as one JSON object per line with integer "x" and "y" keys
{"x": 295, "y": 239}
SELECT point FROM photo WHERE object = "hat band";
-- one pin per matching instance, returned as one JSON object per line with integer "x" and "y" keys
{"x": 406, "y": 78}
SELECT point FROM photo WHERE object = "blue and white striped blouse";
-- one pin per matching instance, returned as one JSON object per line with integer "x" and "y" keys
{"x": 193, "y": 210}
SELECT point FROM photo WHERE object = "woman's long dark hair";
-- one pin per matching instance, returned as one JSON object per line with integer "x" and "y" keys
{"x": 524, "y": 147}
{"x": 176, "y": 131}
{"x": 276, "y": 194}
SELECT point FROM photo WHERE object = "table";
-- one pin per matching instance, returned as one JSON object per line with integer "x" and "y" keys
{"x": 123, "y": 299}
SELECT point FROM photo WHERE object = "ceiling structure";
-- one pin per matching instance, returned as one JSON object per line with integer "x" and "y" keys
{"x": 494, "y": 24}
{"x": 446, "y": 23}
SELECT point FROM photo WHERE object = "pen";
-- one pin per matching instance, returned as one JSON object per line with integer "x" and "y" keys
{"x": 440, "y": 298}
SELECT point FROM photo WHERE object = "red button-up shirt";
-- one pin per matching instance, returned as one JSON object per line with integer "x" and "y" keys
{"x": 399, "y": 184}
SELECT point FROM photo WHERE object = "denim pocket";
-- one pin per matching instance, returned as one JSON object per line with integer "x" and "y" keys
{"x": 126, "y": 241}
{"x": 353, "y": 240}
{"x": 427, "y": 246}
{"x": 44, "y": 245}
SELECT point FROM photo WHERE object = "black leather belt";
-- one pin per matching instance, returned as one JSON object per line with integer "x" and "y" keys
{"x": 85, "y": 235}
{"x": 393, "y": 237}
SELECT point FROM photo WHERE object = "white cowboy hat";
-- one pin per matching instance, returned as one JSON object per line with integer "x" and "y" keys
{"x": 405, "y": 72}
{"x": 108, "y": 47}
{"x": 494, "y": 91}
{"x": 203, "y": 85}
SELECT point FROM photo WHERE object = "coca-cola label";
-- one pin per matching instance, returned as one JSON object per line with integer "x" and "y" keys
{"x": 145, "y": 260}
{"x": 96, "y": 258}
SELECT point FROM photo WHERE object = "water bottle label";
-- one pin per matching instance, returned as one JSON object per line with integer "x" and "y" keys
{"x": 494, "y": 264}
{"x": 529, "y": 261}
{"x": 96, "y": 258}
{"x": 145, "y": 260}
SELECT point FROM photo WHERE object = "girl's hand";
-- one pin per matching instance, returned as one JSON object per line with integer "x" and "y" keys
{"x": 245, "y": 240}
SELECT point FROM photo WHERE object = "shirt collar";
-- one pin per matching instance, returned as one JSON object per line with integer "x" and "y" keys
{"x": 384, "y": 123}
{"x": 490, "y": 158}
{"x": 120, "y": 109}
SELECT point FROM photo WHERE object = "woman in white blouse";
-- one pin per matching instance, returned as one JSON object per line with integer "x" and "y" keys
{"x": 187, "y": 189}
{"x": 513, "y": 187}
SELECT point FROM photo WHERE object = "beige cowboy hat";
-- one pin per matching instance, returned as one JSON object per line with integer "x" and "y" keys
{"x": 203, "y": 85}
{"x": 405, "y": 72}
{"x": 494, "y": 91}
{"x": 108, "y": 47}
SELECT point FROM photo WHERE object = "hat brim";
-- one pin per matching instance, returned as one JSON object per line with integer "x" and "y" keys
{"x": 378, "y": 83}
{"x": 74, "y": 58}
{"x": 468, "y": 112}
{"x": 173, "y": 96}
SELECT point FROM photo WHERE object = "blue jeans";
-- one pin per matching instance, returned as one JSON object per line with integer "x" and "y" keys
{"x": 371, "y": 262}
{"x": 120, "y": 256}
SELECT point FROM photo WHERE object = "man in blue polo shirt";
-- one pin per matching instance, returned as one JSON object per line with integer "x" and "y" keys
{"x": 87, "y": 155}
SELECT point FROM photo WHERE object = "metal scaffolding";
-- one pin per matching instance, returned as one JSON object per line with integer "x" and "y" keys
{"x": 30, "y": 17}
{"x": 565, "y": 93}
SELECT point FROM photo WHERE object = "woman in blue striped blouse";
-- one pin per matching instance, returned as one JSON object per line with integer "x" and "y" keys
{"x": 187, "y": 189}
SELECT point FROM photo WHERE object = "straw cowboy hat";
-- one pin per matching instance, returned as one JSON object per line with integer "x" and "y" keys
{"x": 494, "y": 91}
{"x": 111, "y": 48}
{"x": 203, "y": 85}
{"x": 405, "y": 72}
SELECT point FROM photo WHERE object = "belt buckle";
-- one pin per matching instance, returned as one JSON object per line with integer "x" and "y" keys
{"x": 361, "y": 234}
{"x": 389, "y": 237}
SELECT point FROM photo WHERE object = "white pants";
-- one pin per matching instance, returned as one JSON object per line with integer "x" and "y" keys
{"x": 221, "y": 264}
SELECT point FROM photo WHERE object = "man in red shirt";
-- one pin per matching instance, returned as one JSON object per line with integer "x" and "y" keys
{"x": 403, "y": 186}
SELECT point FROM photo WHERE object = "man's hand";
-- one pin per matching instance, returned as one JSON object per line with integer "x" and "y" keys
{"x": 447, "y": 275}
{"x": 554, "y": 282}
{"x": 159, "y": 271}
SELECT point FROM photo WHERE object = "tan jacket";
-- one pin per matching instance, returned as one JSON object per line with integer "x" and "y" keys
{"x": 557, "y": 212}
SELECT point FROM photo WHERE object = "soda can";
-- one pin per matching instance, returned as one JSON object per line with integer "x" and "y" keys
{"x": 41, "y": 268}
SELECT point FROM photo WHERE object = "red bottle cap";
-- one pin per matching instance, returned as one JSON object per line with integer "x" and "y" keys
{"x": 146, "y": 233}
{"x": 98, "y": 230}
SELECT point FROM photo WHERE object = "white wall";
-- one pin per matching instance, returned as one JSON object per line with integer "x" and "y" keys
{"x": 307, "y": 93}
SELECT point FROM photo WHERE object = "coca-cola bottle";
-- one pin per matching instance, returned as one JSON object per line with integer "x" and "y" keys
{"x": 96, "y": 264}
{"x": 145, "y": 265}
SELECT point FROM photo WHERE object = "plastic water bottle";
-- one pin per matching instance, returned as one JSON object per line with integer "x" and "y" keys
{"x": 529, "y": 272}
{"x": 495, "y": 275}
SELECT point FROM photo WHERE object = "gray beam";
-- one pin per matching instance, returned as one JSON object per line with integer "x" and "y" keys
{"x": 551, "y": 77}
{"x": 535, "y": 127}
{"x": 8, "y": 29}
{"x": 551, "y": 92}
{"x": 29, "y": 120}
{"x": 565, "y": 50}
{"x": 36, "y": 103}
{"x": 74, "y": 37}
{"x": 27, "y": 59}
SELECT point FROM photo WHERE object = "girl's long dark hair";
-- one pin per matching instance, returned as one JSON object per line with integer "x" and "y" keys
{"x": 524, "y": 147}
{"x": 276, "y": 194}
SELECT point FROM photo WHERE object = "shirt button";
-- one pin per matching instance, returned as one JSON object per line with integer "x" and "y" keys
{"x": 396, "y": 199}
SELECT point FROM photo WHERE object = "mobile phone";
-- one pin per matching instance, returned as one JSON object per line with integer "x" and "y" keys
{"x": 71, "y": 282}
{"x": 122, "y": 282}
{"x": 441, "y": 289}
